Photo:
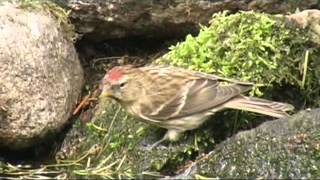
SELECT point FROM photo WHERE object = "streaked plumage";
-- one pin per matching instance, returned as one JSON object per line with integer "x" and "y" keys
{"x": 178, "y": 99}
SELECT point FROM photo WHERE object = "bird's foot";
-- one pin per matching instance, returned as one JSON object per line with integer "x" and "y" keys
{"x": 151, "y": 147}
{"x": 171, "y": 135}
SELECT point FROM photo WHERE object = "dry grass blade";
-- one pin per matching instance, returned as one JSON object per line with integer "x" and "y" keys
{"x": 305, "y": 69}
{"x": 99, "y": 128}
{"x": 121, "y": 162}
{"x": 104, "y": 161}
{"x": 26, "y": 172}
{"x": 89, "y": 152}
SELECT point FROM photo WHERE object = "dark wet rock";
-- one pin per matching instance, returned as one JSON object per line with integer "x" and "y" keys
{"x": 101, "y": 20}
{"x": 283, "y": 148}
{"x": 41, "y": 77}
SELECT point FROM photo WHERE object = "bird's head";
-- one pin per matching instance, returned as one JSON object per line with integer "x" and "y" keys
{"x": 122, "y": 84}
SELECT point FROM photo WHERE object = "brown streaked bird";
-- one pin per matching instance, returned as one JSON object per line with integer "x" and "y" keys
{"x": 178, "y": 99}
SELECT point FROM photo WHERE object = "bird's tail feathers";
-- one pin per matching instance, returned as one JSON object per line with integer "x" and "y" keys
{"x": 258, "y": 105}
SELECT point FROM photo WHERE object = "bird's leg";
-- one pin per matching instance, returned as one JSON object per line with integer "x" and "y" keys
{"x": 171, "y": 135}
{"x": 164, "y": 138}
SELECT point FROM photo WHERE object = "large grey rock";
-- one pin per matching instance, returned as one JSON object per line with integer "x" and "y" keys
{"x": 40, "y": 76}
{"x": 101, "y": 20}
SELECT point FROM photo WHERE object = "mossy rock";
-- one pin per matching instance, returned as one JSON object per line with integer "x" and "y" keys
{"x": 255, "y": 47}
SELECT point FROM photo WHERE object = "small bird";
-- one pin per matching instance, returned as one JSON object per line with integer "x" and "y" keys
{"x": 179, "y": 99}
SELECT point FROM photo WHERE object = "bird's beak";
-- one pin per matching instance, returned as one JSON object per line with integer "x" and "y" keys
{"x": 106, "y": 94}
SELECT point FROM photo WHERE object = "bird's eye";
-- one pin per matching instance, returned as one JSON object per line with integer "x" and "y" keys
{"x": 121, "y": 85}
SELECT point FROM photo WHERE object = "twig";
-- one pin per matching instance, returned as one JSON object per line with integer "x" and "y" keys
{"x": 86, "y": 101}
{"x": 105, "y": 59}
{"x": 83, "y": 103}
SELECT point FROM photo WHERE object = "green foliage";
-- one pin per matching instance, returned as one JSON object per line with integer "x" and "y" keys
{"x": 252, "y": 47}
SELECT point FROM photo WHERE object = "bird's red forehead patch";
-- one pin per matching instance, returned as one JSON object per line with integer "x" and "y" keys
{"x": 115, "y": 74}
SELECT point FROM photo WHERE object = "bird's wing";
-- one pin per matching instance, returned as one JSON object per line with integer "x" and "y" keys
{"x": 178, "y": 70}
{"x": 198, "y": 96}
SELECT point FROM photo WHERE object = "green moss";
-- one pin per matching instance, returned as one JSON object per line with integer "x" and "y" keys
{"x": 112, "y": 136}
{"x": 254, "y": 47}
